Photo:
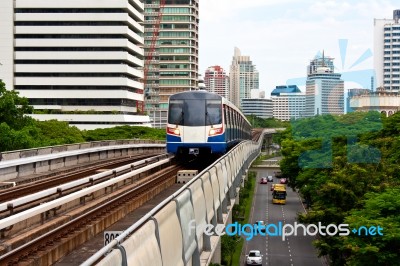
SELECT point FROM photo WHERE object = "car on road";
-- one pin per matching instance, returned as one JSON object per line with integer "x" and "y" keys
{"x": 254, "y": 258}
{"x": 270, "y": 178}
{"x": 263, "y": 180}
{"x": 259, "y": 224}
{"x": 283, "y": 181}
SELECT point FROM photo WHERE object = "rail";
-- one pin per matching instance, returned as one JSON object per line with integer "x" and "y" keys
{"x": 11, "y": 155}
{"x": 39, "y": 158}
{"x": 18, "y": 217}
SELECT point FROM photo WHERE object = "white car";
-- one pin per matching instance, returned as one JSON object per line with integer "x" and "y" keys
{"x": 259, "y": 225}
{"x": 254, "y": 258}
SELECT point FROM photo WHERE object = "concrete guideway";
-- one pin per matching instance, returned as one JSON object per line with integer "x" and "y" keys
{"x": 19, "y": 167}
{"x": 22, "y": 216}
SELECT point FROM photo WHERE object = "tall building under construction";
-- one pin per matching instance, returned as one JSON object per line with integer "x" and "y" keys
{"x": 171, "y": 34}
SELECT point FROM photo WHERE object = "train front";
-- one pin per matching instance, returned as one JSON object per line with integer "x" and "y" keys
{"x": 195, "y": 124}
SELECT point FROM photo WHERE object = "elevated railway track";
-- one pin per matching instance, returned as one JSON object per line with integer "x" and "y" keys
{"x": 42, "y": 227}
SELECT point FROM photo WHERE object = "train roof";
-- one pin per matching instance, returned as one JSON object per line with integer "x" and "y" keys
{"x": 195, "y": 95}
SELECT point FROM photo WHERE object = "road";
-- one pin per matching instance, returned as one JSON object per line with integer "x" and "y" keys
{"x": 294, "y": 250}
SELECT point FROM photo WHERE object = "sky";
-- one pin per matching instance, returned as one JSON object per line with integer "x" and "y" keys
{"x": 282, "y": 36}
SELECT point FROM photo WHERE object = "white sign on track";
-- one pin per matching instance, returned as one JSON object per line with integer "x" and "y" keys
{"x": 110, "y": 236}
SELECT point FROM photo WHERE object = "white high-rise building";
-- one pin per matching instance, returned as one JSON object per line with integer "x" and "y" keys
{"x": 324, "y": 90}
{"x": 76, "y": 61}
{"x": 387, "y": 52}
{"x": 243, "y": 78}
{"x": 217, "y": 81}
{"x": 320, "y": 61}
{"x": 259, "y": 107}
{"x": 288, "y": 102}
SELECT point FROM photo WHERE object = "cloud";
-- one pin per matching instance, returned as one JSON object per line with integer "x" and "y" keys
{"x": 220, "y": 10}
{"x": 349, "y": 9}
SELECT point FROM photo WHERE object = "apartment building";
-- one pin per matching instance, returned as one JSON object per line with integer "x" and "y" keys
{"x": 76, "y": 61}
{"x": 259, "y": 107}
{"x": 217, "y": 81}
{"x": 243, "y": 77}
{"x": 288, "y": 102}
{"x": 174, "y": 64}
{"x": 387, "y": 52}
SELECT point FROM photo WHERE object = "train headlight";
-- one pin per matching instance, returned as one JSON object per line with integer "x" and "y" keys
{"x": 173, "y": 131}
{"x": 215, "y": 131}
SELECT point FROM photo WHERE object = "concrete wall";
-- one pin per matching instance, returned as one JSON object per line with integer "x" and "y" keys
{"x": 12, "y": 155}
{"x": 207, "y": 199}
{"x": 38, "y": 161}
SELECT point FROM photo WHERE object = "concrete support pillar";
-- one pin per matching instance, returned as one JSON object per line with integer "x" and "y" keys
{"x": 237, "y": 196}
{"x": 206, "y": 242}
{"x": 229, "y": 218}
{"x": 220, "y": 218}
{"x": 232, "y": 193}
{"x": 217, "y": 253}
{"x": 243, "y": 179}
{"x": 224, "y": 205}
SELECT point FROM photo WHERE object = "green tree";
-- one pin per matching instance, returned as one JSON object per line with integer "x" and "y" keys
{"x": 339, "y": 189}
{"x": 18, "y": 139}
{"x": 228, "y": 246}
{"x": 381, "y": 209}
{"x": 13, "y": 108}
{"x": 55, "y": 132}
{"x": 125, "y": 132}
{"x": 258, "y": 122}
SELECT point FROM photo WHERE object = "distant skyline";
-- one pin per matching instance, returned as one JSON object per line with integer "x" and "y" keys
{"x": 282, "y": 36}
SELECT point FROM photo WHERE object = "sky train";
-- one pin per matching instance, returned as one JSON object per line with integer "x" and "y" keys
{"x": 201, "y": 123}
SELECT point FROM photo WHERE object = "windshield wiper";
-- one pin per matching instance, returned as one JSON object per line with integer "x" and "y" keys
{"x": 181, "y": 119}
{"x": 209, "y": 120}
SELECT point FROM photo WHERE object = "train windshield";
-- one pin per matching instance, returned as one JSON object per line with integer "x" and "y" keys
{"x": 213, "y": 112}
{"x": 175, "y": 114}
{"x": 195, "y": 112}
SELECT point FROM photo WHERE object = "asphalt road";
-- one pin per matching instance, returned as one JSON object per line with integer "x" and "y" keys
{"x": 294, "y": 250}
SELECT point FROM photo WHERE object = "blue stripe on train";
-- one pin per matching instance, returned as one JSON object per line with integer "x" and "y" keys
{"x": 218, "y": 138}
{"x": 173, "y": 147}
{"x": 216, "y": 144}
{"x": 215, "y": 147}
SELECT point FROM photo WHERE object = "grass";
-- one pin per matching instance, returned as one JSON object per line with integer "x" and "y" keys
{"x": 265, "y": 157}
{"x": 247, "y": 210}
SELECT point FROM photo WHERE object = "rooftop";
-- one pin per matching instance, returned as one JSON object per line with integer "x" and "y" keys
{"x": 285, "y": 89}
